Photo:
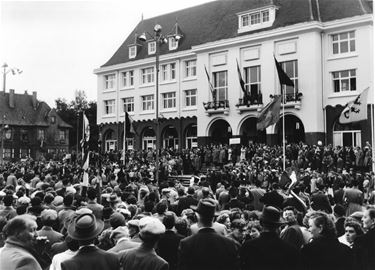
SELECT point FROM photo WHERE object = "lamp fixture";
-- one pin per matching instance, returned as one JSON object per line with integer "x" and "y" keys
{"x": 157, "y": 28}
{"x": 142, "y": 37}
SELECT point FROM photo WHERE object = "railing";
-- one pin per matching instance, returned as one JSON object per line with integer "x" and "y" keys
{"x": 221, "y": 104}
{"x": 252, "y": 100}
{"x": 293, "y": 97}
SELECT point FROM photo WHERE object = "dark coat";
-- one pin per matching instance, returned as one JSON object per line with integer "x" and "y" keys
{"x": 269, "y": 252}
{"x": 364, "y": 250}
{"x": 185, "y": 203}
{"x": 207, "y": 250}
{"x": 167, "y": 248}
{"x": 327, "y": 254}
{"x": 320, "y": 201}
{"x": 92, "y": 258}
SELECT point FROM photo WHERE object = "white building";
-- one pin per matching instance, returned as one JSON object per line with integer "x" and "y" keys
{"x": 325, "y": 47}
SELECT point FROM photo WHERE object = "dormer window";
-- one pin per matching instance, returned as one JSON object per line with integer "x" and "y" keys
{"x": 152, "y": 47}
{"x": 173, "y": 43}
{"x": 256, "y": 19}
{"x": 132, "y": 52}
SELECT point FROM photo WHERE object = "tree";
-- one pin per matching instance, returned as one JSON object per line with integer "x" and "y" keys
{"x": 71, "y": 113}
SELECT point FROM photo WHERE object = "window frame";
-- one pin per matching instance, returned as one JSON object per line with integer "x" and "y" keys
{"x": 249, "y": 82}
{"x": 147, "y": 75}
{"x": 127, "y": 78}
{"x": 132, "y": 51}
{"x": 126, "y": 103}
{"x": 190, "y": 68}
{"x": 172, "y": 43}
{"x": 340, "y": 42}
{"x": 109, "y": 104}
{"x": 218, "y": 88}
{"x": 286, "y": 89}
{"x": 148, "y": 101}
{"x": 189, "y": 97}
{"x": 151, "y": 47}
{"x": 340, "y": 80}
{"x": 109, "y": 81}
{"x": 169, "y": 100}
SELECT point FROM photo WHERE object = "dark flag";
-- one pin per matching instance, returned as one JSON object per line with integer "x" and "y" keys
{"x": 242, "y": 83}
{"x": 212, "y": 89}
{"x": 129, "y": 127}
{"x": 283, "y": 77}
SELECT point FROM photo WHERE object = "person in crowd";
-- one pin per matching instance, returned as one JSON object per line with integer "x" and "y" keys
{"x": 8, "y": 211}
{"x": 324, "y": 245}
{"x": 268, "y": 251}
{"x": 92, "y": 204}
{"x": 72, "y": 248}
{"x": 352, "y": 229}
{"x": 144, "y": 257}
{"x": 49, "y": 220}
{"x": 353, "y": 198}
{"x": 120, "y": 237}
{"x": 18, "y": 251}
{"x": 186, "y": 201}
{"x": 207, "y": 249}
{"x": 85, "y": 228}
{"x": 292, "y": 232}
{"x": 364, "y": 245}
{"x": 168, "y": 243}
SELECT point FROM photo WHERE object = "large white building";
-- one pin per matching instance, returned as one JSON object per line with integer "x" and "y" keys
{"x": 325, "y": 47}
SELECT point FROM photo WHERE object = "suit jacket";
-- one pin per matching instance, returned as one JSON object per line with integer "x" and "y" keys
{"x": 327, "y": 254}
{"x": 269, "y": 252}
{"x": 92, "y": 258}
{"x": 141, "y": 258}
{"x": 168, "y": 246}
{"x": 364, "y": 250}
{"x": 207, "y": 250}
{"x": 13, "y": 256}
{"x": 51, "y": 235}
{"x": 124, "y": 244}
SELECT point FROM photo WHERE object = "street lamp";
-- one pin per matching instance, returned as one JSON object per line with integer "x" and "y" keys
{"x": 159, "y": 40}
{"x": 6, "y": 70}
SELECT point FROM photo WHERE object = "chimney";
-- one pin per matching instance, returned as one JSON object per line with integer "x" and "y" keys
{"x": 11, "y": 98}
{"x": 26, "y": 92}
{"x": 34, "y": 100}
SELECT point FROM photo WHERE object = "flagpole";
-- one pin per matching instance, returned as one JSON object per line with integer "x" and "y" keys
{"x": 124, "y": 143}
{"x": 283, "y": 100}
{"x": 373, "y": 138}
{"x": 83, "y": 133}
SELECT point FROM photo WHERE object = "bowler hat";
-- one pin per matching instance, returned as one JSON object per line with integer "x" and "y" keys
{"x": 271, "y": 215}
{"x": 85, "y": 227}
{"x": 206, "y": 207}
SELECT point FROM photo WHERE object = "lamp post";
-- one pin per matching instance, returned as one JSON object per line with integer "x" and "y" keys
{"x": 159, "y": 40}
{"x": 6, "y": 70}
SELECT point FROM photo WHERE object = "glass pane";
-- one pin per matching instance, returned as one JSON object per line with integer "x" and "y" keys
{"x": 345, "y": 85}
{"x": 334, "y": 37}
{"x": 353, "y": 84}
{"x": 343, "y": 36}
{"x": 336, "y": 86}
{"x": 351, "y": 34}
{"x": 352, "y": 72}
{"x": 347, "y": 139}
{"x": 352, "y": 45}
{"x": 335, "y": 48}
{"x": 221, "y": 94}
{"x": 335, "y": 74}
{"x": 344, "y": 46}
{"x": 289, "y": 68}
{"x": 253, "y": 74}
{"x": 344, "y": 73}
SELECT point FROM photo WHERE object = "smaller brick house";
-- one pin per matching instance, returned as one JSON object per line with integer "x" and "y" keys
{"x": 30, "y": 128}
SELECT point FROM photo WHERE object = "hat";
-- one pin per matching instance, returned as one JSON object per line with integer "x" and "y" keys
{"x": 206, "y": 207}
{"x": 119, "y": 232}
{"x": 58, "y": 200}
{"x": 48, "y": 214}
{"x": 24, "y": 200}
{"x": 134, "y": 223}
{"x": 83, "y": 210}
{"x": 85, "y": 227}
{"x": 271, "y": 215}
{"x": 151, "y": 226}
{"x": 71, "y": 190}
{"x": 116, "y": 220}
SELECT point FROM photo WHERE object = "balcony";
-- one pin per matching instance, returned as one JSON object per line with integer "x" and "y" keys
{"x": 216, "y": 107}
{"x": 293, "y": 100}
{"x": 254, "y": 103}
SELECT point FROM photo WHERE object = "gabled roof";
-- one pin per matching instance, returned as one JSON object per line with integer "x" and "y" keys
{"x": 218, "y": 20}
{"x": 24, "y": 113}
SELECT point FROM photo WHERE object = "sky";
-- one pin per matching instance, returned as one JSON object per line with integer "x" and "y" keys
{"x": 58, "y": 44}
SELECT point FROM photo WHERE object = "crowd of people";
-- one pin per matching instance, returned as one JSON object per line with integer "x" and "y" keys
{"x": 238, "y": 209}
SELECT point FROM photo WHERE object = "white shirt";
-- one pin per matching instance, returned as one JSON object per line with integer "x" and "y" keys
{"x": 60, "y": 257}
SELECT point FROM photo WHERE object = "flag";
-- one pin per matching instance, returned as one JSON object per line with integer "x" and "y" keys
{"x": 285, "y": 180}
{"x": 270, "y": 114}
{"x": 212, "y": 89}
{"x": 355, "y": 110}
{"x": 242, "y": 83}
{"x": 283, "y": 77}
{"x": 129, "y": 127}
{"x": 86, "y": 128}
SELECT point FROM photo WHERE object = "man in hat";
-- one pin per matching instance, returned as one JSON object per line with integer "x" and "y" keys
{"x": 85, "y": 228}
{"x": 207, "y": 249}
{"x": 144, "y": 257}
{"x": 268, "y": 251}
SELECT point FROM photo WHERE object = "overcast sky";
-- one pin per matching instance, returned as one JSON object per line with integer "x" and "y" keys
{"x": 58, "y": 44}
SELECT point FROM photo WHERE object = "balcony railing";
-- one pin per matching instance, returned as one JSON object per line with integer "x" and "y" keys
{"x": 221, "y": 106}
{"x": 293, "y": 97}
{"x": 252, "y": 100}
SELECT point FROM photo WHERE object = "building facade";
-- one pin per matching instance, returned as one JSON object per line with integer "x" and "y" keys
{"x": 325, "y": 48}
{"x": 30, "y": 128}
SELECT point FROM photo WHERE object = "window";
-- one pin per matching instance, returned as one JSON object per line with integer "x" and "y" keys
{"x": 173, "y": 43}
{"x": 254, "y": 18}
{"x": 24, "y": 153}
{"x": 148, "y": 103}
{"x": 132, "y": 52}
{"x": 191, "y": 97}
{"x": 147, "y": 75}
{"x": 252, "y": 83}
{"x": 41, "y": 134}
{"x": 24, "y": 136}
{"x": 169, "y": 100}
{"x": 168, "y": 72}
{"x": 8, "y": 153}
{"x": 220, "y": 85}
{"x": 191, "y": 68}
{"x": 347, "y": 134}
{"x": 128, "y": 104}
{"x": 128, "y": 78}
{"x": 151, "y": 47}
{"x": 291, "y": 69}
{"x": 245, "y": 20}
{"x": 62, "y": 135}
{"x": 53, "y": 119}
{"x": 265, "y": 16}
{"x": 109, "y": 81}
{"x": 343, "y": 42}
{"x": 109, "y": 106}
{"x": 345, "y": 80}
